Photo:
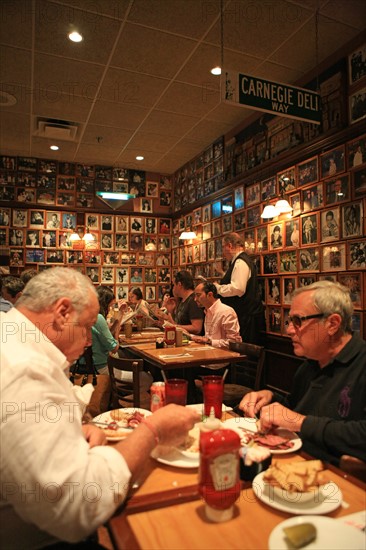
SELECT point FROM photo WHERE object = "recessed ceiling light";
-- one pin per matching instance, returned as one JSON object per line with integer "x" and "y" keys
{"x": 216, "y": 71}
{"x": 139, "y": 157}
{"x": 75, "y": 36}
{"x": 54, "y": 147}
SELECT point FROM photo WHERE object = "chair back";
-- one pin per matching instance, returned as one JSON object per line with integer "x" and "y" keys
{"x": 353, "y": 466}
{"x": 125, "y": 391}
{"x": 249, "y": 371}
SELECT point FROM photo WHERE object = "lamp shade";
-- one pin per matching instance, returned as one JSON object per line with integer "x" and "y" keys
{"x": 269, "y": 211}
{"x": 88, "y": 237}
{"x": 187, "y": 235}
{"x": 74, "y": 236}
{"x": 283, "y": 206}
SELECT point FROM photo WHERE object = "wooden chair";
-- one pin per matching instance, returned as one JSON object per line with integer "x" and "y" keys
{"x": 246, "y": 375}
{"x": 354, "y": 466}
{"x": 125, "y": 393}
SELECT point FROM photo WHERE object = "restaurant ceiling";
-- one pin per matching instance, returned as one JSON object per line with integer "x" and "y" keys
{"x": 140, "y": 81}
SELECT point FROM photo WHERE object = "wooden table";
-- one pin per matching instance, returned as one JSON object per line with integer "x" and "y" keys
{"x": 189, "y": 356}
{"x": 166, "y": 512}
{"x": 141, "y": 337}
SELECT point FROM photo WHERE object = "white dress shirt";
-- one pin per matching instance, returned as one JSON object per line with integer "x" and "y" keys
{"x": 221, "y": 325}
{"x": 53, "y": 485}
{"x": 239, "y": 278}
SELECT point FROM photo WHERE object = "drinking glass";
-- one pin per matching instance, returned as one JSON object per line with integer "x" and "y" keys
{"x": 176, "y": 391}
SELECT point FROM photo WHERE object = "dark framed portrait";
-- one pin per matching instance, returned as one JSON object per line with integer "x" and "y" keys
{"x": 122, "y": 292}
{"x": 286, "y": 180}
{"x": 356, "y": 254}
{"x": 288, "y": 261}
{"x": 16, "y": 257}
{"x": 309, "y": 260}
{"x": 269, "y": 188}
{"x": 337, "y": 190}
{"x": 295, "y": 203}
{"x": 269, "y": 264}
{"x": 309, "y": 229}
{"x": 33, "y": 238}
{"x": 357, "y": 106}
{"x": 262, "y": 238}
{"x": 84, "y": 185}
{"x": 253, "y": 194}
{"x": 85, "y": 170}
{"x": 34, "y": 256}
{"x": 254, "y": 216}
{"x": 354, "y": 283}
{"x": 54, "y": 256}
{"x": 152, "y": 189}
{"x": 330, "y": 224}
{"x": 122, "y": 241}
{"x": 227, "y": 224}
{"x": 4, "y": 217}
{"x": 352, "y": 220}
{"x": 357, "y": 64}
{"x": 306, "y": 281}
{"x": 289, "y": 285}
{"x": 274, "y": 317}
{"x": 356, "y": 152}
{"x": 122, "y": 275}
{"x": 107, "y": 241}
{"x": 239, "y": 221}
{"x": 239, "y": 198}
{"x": 216, "y": 228}
{"x": 65, "y": 199}
{"x": 47, "y": 197}
{"x": 206, "y": 213}
{"x": 334, "y": 257}
{"x": 107, "y": 275}
{"x": 150, "y": 226}
{"x": 308, "y": 171}
{"x": 197, "y": 216}
{"x": 206, "y": 231}
{"x": 49, "y": 239}
{"x": 93, "y": 273}
{"x": 276, "y": 236}
{"x": 273, "y": 290}
{"x": 292, "y": 233}
{"x": 249, "y": 240}
{"x": 312, "y": 198}
{"x": 107, "y": 222}
{"x": 16, "y": 237}
{"x": 333, "y": 162}
{"x": 164, "y": 226}
{"x": 92, "y": 257}
{"x": 218, "y": 249}
{"x": 357, "y": 323}
{"x": 359, "y": 183}
{"x": 28, "y": 164}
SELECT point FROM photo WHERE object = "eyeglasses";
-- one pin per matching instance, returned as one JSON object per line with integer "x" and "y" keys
{"x": 297, "y": 320}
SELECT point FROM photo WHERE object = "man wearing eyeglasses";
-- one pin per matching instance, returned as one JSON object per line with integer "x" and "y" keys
{"x": 327, "y": 403}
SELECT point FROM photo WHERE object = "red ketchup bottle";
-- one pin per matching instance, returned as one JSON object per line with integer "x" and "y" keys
{"x": 218, "y": 483}
{"x": 170, "y": 334}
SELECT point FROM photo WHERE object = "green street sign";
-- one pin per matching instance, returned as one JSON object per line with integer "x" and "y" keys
{"x": 271, "y": 97}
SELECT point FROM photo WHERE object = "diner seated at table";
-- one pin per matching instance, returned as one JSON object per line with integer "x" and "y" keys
{"x": 182, "y": 310}
{"x": 59, "y": 480}
{"x": 327, "y": 403}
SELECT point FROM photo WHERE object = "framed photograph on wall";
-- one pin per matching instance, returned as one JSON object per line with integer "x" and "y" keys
{"x": 253, "y": 194}
{"x": 227, "y": 205}
{"x": 337, "y": 190}
{"x": 227, "y": 224}
{"x": 334, "y": 257}
{"x": 276, "y": 235}
{"x": 357, "y": 106}
{"x": 152, "y": 189}
{"x": 216, "y": 209}
{"x": 273, "y": 290}
{"x": 239, "y": 221}
{"x": 249, "y": 240}
{"x": 306, "y": 281}
{"x": 308, "y": 171}
{"x": 356, "y": 152}
{"x": 292, "y": 233}
{"x": 356, "y": 254}
{"x": 333, "y": 162}
{"x": 274, "y": 316}
{"x": 239, "y": 198}
{"x": 286, "y": 180}
{"x": 269, "y": 264}
{"x": 354, "y": 282}
{"x": 312, "y": 198}
{"x": 20, "y": 217}
{"x": 288, "y": 262}
{"x": 37, "y": 219}
{"x": 359, "y": 183}
{"x": 295, "y": 203}
{"x": 352, "y": 220}
{"x": 329, "y": 224}
{"x": 254, "y": 216}
{"x": 309, "y": 260}
{"x": 206, "y": 213}
{"x": 309, "y": 229}
{"x": 16, "y": 257}
{"x": 289, "y": 285}
{"x": 269, "y": 188}
{"x": 146, "y": 205}
{"x": 357, "y": 65}
{"x": 262, "y": 238}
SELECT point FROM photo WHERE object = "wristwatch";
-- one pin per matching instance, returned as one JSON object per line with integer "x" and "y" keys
{"x": 209, "y": 341}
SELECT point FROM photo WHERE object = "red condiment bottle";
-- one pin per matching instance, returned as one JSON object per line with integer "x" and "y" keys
{"x": 218, "y": 483}
{"x": 170, "y": 335}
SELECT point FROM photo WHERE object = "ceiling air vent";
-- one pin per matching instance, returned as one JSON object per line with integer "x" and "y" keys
{"x": 56, "y": 129}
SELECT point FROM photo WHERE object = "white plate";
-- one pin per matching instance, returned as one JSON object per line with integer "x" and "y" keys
{"x": 331, "y": 499}
{"x": 331, "y": 533}
{"x": 200, "y": 409}
{"x": 121, "y": 433}
{"x": 249, "y": 424}
{"x": 172, "y": 457}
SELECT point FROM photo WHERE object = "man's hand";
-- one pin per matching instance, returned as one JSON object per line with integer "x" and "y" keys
{"x": 173, "y": 422}
{"x": 93, "y": 435}
{"x": 278, "y": 415}
{"x": 252, "y": 402}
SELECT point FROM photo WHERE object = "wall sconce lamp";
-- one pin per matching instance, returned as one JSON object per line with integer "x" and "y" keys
{"x": 74, "y": 236}
{"x": 283, "y": 206}
{"x": 117, "y": 196}
{"x": 270, "y": 211}
{"x": 88, "y": 237}
{"x": 187, "y": 235}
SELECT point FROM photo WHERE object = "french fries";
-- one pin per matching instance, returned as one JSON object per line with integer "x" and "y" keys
{"x": 296, "y": 476}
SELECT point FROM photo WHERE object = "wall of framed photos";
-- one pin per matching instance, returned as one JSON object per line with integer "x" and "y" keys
{"x": 43, "y": 202}
{"x": 324, "y": 238}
